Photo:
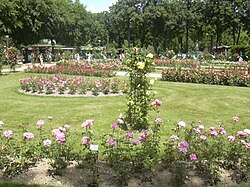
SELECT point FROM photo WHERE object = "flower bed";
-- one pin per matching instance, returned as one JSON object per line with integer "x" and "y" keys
{"x": 232, "y": 78}
{"x": 71, "y": 86}
{"x": 207, "y": 150}
{"x": 87, "y": 69}
{"x": 187, "y": 63}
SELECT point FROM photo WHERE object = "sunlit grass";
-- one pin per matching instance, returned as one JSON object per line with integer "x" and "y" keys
{"x": 181, "y": 101}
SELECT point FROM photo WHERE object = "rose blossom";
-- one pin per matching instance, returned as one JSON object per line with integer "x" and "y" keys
{"x": 143, "y": 137}
{"x": 156, "y": 103}
{"x": 4, "y": 147}
{"x": 183, "y": 144}
{"x": 55, "y": 132}
{"x": 1, "y": 123}
{"x": 231, "y": 138}
{"x": 222, "y": 131}
{"x": 40, "y": 123}
{"x": 135, "y": 142}
{"x": 242, "y": 134}
{"x": 174, "y": 137}
{"x": 203, "y": 137}
{"x": 88, "y": 123}
{"x": 120, "y": 121}
{"x": 197, "y": 130}
{"x": 183, "y": 150}
{"x": 111, "y": 142}
{"x": 8, "y": 133}
{"x": 212, "y": 128}
{"x": 85, "y": 140}
{"x": 213, "y": 133}
{"x": 193, "y": 157}
{"x": 247, "y": 145}
{"x": 47, "y": 143}
{"x": 182, "y": 124}
{"x": 201, "y": 127}
{"x": 62, "y": 129}
{"x": 129, "y": 135}
{"x": 159, "y": 121}
{"x": 28, "y": 135}
{"x": 114, "y": 125}
{"x": 235, "y": 118}
{"x": 60, "y": 137}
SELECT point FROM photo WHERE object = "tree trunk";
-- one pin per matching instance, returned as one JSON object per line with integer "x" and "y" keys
{"x": 238, "y": 37}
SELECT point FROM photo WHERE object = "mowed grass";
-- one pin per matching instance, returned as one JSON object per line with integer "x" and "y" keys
{"x": 210, "y": 104}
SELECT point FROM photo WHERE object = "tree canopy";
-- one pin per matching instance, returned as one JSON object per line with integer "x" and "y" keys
{"x": 181, "y": 25}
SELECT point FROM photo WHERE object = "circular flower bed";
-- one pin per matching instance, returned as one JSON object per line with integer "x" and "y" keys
{"x": 77, "y": 86}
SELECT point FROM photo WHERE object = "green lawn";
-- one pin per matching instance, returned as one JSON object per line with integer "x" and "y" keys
{"x": 181, "y": 101}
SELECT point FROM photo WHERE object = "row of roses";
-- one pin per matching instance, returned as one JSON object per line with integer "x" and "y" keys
{"x": 87, "y": 69}
{"x": 78, "y": 85}
{"x": 207, "y": 77}
{"x": 212, "y": 147}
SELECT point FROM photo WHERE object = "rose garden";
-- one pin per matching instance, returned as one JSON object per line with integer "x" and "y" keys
{"x": 116, "y": 93}
{"x": 129, "y": 134}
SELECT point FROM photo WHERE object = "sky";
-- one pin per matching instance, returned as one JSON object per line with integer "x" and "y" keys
{"x": 97, "y": 5}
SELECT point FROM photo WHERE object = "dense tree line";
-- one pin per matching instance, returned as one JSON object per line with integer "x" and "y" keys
{"x": 181, "y": 25}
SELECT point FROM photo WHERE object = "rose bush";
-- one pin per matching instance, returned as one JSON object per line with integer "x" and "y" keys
{"x": 61, "y": 85}
{"x": 235, "y": 78}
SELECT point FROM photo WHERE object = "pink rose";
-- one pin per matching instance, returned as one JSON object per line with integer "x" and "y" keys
{"x": 222, "y": 131}
{"x": 111, "y": 142}
{"x": 203, "y": 137}
{"x": 193, "y": 157}
{"x": 4, "y": 147}
{"x": 129, "y": 135}
{"x": 174, "y": 138}
{"x": 235, "y": 118}
{"x": 247, "y": 145}
{"x": 60, "y": 138}
{"x": 135, "y": 142}
{"x": 156, "y": 103}
{"x": 159, "y": 121}
{"x": 231, "y": 138}
{"x": 55, "y": 132}
{"x": 242, "y": 134}
{"x": 183, "y": 144}
{"x": 85, "y": 140}
{"x": 28, "y": 135}
{"x": 47, "y": 143}
{"x": 8, "y": 134}
{"x": 213, "y": 133}
{"x": 88, "y": 123}
{"x": 114, "y": 125}
{"x": 143, "y": 137}
{"x": 40, "y": 123}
